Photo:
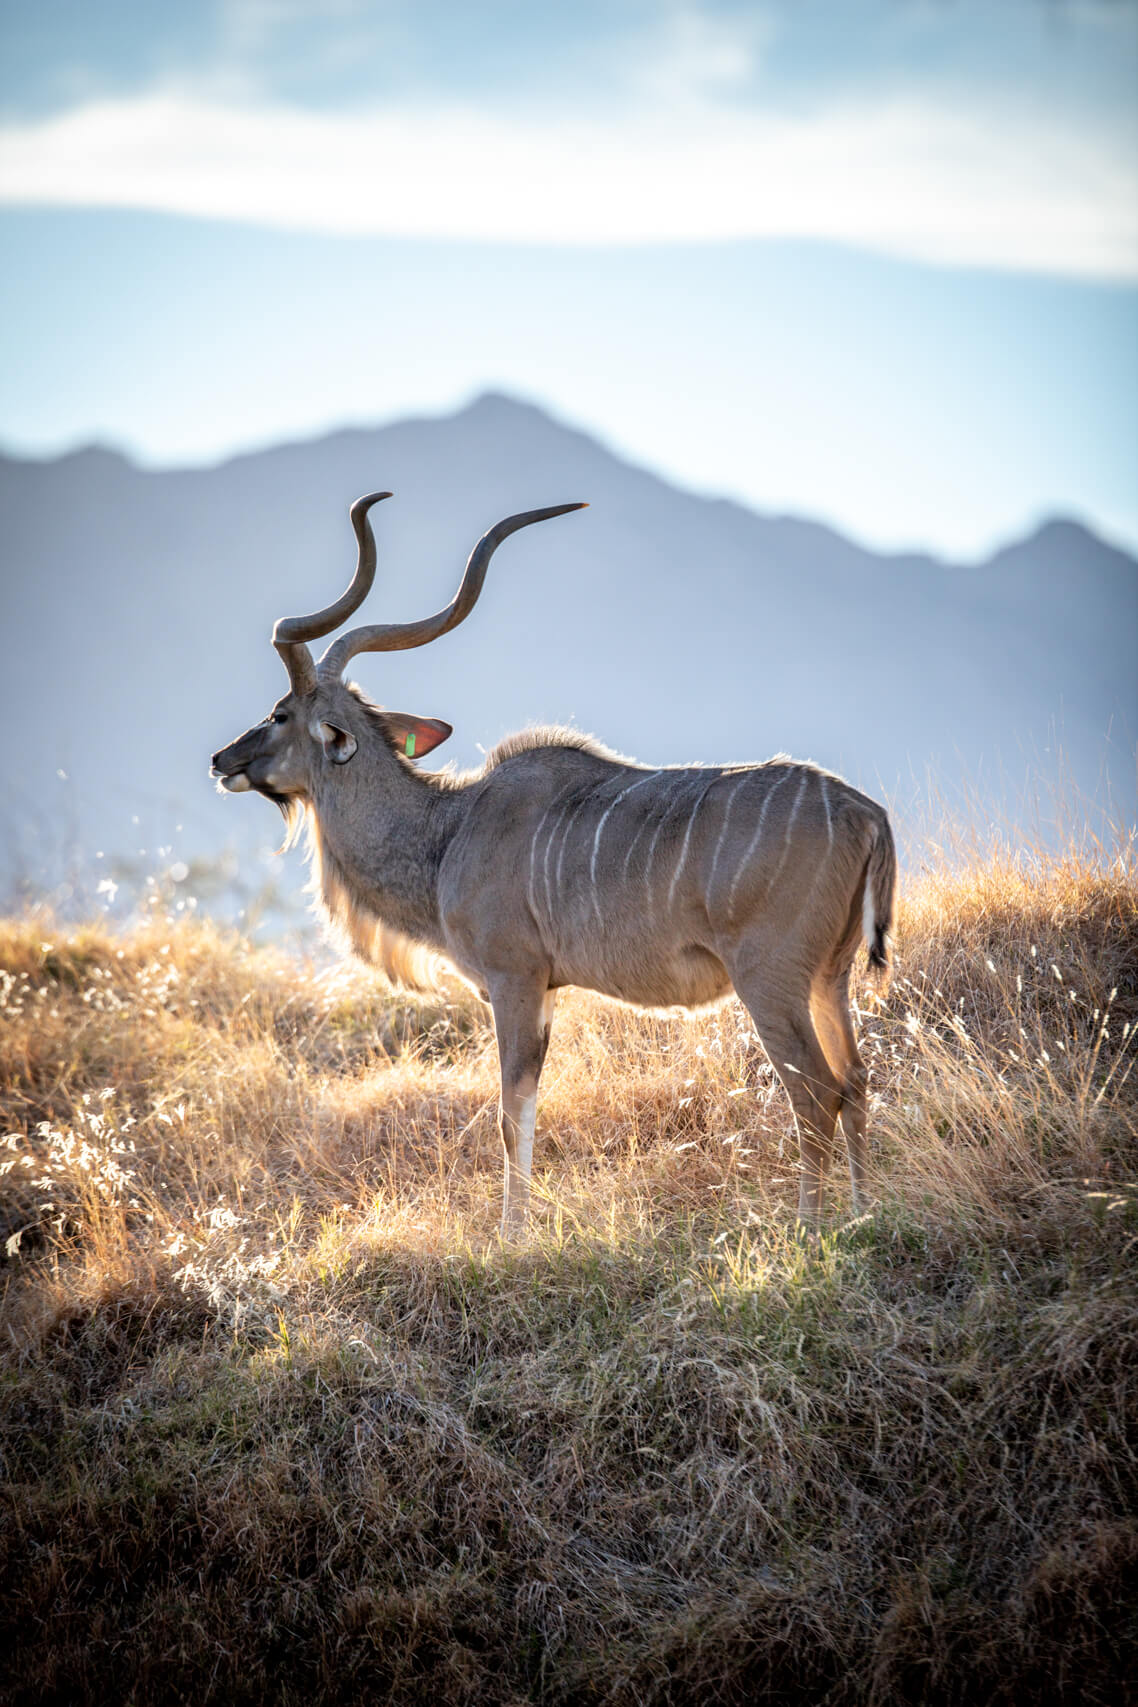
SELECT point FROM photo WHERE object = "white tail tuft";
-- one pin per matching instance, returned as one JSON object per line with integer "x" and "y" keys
{"x": 868, "y": 916}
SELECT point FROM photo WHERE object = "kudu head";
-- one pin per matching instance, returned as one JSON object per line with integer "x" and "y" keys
{"x": 320, "y": 723}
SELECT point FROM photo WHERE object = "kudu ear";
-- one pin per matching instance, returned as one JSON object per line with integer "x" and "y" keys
{"x": 339, "y": 744}
{"x": 416, "y": 736}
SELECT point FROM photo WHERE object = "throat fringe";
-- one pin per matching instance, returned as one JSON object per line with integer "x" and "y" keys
{"x": 353, "y": 923}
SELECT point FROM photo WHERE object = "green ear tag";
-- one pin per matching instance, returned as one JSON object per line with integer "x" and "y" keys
{"x": 409, "y": 749}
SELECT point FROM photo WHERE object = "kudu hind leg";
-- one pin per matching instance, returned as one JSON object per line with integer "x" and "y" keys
{"x": 836, "y": 1030}
{"x": 523, "y": 1015}
{"x": 787, "y": 1034}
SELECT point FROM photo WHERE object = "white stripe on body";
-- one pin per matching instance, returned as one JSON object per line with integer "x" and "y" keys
{"x": 822, "y": 863}
{"x": 700, "y": 798}
{"x": 545, "y": 863}
{"x": 633, "y": 842}
{"x": 533, "y": 861}
{"x": 652, "y": 853}
{"x": 754, "y": 842}
{"x": 668, "y": 810}
{"x": 597, "y": 838}
{"x": 552, "y": 807}
{"x": 655, "y": 838}
{"x": 731, "y": 798}
{"x": 789, "y": 829}
{"x": 569, "y": 822}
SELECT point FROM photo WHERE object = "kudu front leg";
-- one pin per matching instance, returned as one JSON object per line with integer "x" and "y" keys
{"x": 523, "y": 1015}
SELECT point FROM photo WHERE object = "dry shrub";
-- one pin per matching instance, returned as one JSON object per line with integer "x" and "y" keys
{"x": 283, "y": 1419}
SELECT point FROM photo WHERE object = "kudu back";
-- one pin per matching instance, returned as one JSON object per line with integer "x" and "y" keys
{"x": 561, "y": 863}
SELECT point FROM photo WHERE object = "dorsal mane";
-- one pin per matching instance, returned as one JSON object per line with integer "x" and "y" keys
{"x": 548, "y": 735}
{"x": 533, "y": 739}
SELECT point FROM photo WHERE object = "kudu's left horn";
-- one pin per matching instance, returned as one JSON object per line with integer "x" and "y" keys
{"x": 397, "y": 636}
{"x": 291, "y": 632}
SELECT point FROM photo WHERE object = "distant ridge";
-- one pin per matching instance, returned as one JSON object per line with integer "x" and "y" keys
{"x": 495, "y": 410}
{"x": 137, "y": 606}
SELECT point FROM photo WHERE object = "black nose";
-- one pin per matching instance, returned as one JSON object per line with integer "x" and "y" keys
{"x": 213, "y": 760}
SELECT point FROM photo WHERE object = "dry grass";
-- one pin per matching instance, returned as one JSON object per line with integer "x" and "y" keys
{"x": 283, "y": 1419}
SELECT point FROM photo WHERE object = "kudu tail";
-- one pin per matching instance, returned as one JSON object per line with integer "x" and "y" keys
{"x": 879, "y": 901}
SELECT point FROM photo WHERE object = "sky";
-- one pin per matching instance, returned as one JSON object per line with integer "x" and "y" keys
{"x": 874, "y": 262}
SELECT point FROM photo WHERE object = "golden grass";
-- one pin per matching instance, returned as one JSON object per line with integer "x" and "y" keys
{"x": 284, "y": 1419}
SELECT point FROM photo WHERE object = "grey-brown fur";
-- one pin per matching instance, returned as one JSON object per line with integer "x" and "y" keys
{"x": 561, "y": 863}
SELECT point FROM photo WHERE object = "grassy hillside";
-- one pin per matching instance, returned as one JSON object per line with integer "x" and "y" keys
{"x": 282, "y": 1418}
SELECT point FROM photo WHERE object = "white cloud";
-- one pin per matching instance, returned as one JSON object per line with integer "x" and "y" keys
{"x": 692, "y": 57}
{"x": 907, "y": 178}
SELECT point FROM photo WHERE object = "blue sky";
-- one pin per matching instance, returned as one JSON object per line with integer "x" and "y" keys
{"x": 875, "y": 262}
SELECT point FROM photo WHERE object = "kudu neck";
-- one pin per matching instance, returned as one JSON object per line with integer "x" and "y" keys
{"x": 384, "y": 829}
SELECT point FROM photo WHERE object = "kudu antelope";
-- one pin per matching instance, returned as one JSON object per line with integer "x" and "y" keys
{"x": 561, "y": 863}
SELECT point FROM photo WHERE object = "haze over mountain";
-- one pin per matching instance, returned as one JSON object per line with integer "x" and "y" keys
{"x": 137, "y": 608}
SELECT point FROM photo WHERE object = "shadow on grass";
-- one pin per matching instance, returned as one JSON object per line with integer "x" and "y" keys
{"x": 665, "y": 1468}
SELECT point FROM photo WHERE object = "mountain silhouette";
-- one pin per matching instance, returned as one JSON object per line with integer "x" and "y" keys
{"x": 138, "y": 604}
